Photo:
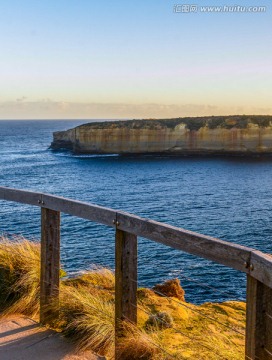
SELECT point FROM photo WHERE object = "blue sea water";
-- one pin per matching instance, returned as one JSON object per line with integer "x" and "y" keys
{"x": 228, "y": 198}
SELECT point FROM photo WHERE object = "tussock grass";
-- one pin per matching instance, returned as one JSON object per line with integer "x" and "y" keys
{"x": 138, "y": 345}
{"x": 20, "y": 276}
{"x": 99, "y": 278}
{"x": 87, "y": 313}
{"x": 89, "y": 318}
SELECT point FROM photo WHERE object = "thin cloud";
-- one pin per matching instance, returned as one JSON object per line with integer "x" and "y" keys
{"x": 49, "y": 109}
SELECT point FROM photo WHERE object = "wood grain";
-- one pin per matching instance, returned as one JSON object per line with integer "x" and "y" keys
{"x": 222, "y": 252}
{"x": 262, "y": 267}
{"x": 258, "y": 320}
{"x": 50, "y": 265}
{"x": 80, "y": 209}
{"x": 125, "y": 277}
{"x": 20, "y": 196}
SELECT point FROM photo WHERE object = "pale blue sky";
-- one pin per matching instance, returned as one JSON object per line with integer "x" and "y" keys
{"x": 91, "y": 59}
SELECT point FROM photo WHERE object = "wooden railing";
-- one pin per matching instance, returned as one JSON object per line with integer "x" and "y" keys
{"x": 257, "y": 265}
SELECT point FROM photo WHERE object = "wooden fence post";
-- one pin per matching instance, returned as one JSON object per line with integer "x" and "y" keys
{"x": 125, "y": 282}
{"x": 50, "y": 265}
{"x": 258, "y": 320}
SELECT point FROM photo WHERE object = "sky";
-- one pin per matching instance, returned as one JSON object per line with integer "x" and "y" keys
{"x": 92, "y": 59}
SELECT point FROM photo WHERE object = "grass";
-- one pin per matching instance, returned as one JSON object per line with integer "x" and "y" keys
{"x": 88, "y": 317}
{"x": 87, "y": 313}
{"x": 20, "y": 276}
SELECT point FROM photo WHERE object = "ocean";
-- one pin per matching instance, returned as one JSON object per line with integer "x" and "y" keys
{"x": 225, "y": 197}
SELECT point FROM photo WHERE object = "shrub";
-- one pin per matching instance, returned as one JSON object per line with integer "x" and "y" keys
{"x": 170, "y": 288}
{"x": 161, "y": 320}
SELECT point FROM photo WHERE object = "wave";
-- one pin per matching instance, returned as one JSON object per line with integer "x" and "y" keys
{"x": 85, "y": 156}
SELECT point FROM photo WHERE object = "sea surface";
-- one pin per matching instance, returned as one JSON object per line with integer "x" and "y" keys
{"x": 229, "y": 198}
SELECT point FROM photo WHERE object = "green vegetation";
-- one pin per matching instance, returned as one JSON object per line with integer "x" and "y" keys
{"x": 168, "y": 327}
{"x": 191, "y": 123}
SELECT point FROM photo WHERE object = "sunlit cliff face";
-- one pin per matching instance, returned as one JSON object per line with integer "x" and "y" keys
{"x": 215, "y": 135}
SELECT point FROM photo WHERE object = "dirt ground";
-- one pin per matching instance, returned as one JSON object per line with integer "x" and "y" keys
{"x": 22, "y": 338}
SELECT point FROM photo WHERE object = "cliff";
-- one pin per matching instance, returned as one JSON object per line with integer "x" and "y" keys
{"x": 199, "y": 135}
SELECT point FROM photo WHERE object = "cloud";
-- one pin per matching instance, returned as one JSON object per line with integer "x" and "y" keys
{"x": 23, "y": 98}
{"x": 49, "y": 109}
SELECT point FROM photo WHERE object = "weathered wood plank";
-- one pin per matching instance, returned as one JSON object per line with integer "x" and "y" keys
{"x": 50, "y": 265}
{"x": 222, "y": 252}
{"x": 125, "y": 283}
{"x": 262, "y": 267}
{"x": 268, "y": 320}
{"x": 251, "y": 317}
{"x": 20, "y": 196}
{"x": 258, "y": 320}
{"x": 126, "y": 276}
{"x": 80, "y": 209}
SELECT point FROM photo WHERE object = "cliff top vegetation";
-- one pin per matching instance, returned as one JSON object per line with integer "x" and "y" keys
{"x": 191, "y": 123}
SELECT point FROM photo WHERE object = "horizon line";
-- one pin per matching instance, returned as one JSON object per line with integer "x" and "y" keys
{"x": 128, "y": 119}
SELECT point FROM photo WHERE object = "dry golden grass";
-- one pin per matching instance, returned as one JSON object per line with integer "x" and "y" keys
{"x": 20, "y": 276}
{"x": 87, "y": 313}
{"x": 138, "y": 345}
{"x": 88, "y": 318}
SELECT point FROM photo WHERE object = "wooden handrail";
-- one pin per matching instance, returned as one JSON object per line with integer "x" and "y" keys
{"x": 238, "y": 257}
{"x": 80, "y": 209}
{"x": 256, "y": 264}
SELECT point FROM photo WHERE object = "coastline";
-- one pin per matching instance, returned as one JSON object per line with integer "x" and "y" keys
{"x": 207, "y": 136}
